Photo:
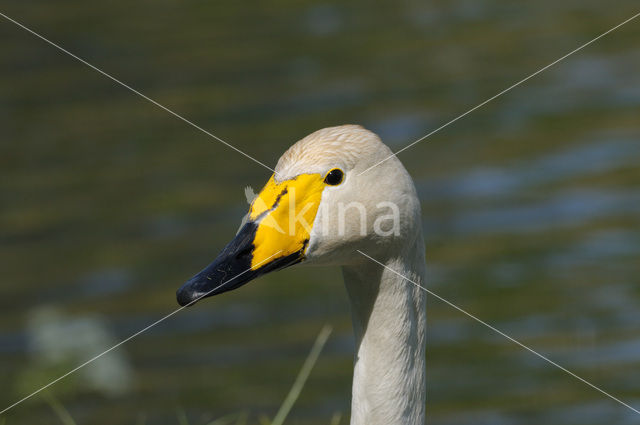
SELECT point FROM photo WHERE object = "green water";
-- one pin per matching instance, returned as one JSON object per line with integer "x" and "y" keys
{"x": 531, "y": 204}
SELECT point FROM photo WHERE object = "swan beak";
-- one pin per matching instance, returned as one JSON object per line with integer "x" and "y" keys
{"x": 275, "y": 236}
{"x": 232, "y": 268}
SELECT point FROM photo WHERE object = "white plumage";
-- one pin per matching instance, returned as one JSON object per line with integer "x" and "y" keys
{"x": 389, "y": 317}
{"x": 348, "y": 207}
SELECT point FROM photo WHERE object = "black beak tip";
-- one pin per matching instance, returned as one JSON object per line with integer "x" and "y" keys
{"x": 186, "y": 295}
{"x": 232, "y": 268}
{"x": 182, "y": 297}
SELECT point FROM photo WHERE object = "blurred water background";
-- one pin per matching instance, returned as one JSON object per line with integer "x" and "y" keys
{"x": 531, "y": 204}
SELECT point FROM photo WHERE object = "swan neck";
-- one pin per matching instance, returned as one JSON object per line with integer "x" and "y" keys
{"x": 389, "y": 321}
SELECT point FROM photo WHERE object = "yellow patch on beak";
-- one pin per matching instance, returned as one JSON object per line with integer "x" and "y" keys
{"x": 285, "y": 212}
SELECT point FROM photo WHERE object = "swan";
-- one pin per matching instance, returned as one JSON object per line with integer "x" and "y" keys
{"x": 324, "y": 206}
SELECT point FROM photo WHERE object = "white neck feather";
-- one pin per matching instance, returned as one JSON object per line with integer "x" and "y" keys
{"x": 389, "y": 321}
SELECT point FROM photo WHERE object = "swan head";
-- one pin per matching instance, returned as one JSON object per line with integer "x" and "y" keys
{"x": 333, "y": 193}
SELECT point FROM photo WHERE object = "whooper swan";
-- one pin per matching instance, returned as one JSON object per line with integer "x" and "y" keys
{"x": 319, "y": 209}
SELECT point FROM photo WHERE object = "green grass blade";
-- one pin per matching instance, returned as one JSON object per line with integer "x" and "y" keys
{"x": 335, "y": 420}
{"x": 264, "y": 420}
{"x": 301, "y": 379}
{"x": 57, "y": 407}
{"x": 238, "y": 418}
{"x": 182, "y": 417}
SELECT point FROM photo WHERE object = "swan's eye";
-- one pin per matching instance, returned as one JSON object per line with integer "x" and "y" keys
{"x": 334, "y": 177}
